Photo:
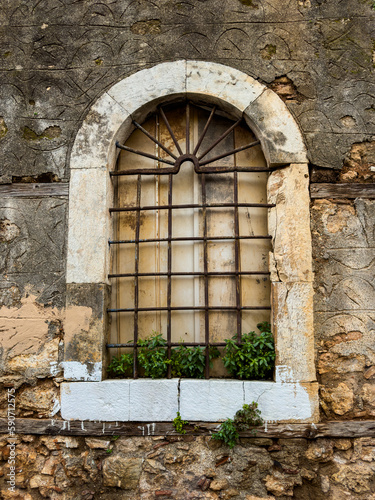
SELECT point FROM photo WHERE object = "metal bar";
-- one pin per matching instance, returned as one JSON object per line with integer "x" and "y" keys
{"x": 204, "y": 131}
{"x": 205, "y": 269}
{"x": 208, "y": 170}
{"x": 173, "y": 344}
{"x": 234, "y": 151}
{"x": 223, "y": 136}
{"x": 191, "y": 238}
{"x": 146, "y": 171}
{"x": 169, "y": 285}
{"x": 191, "y": 205}
{"x": 155, "y": 140}
{"x": 237, "y": 256}
{"x": 141, "y": 153}
{"x": 190, "y": 308}
{"x": 136, "y": 290}
{"x": 170, "y": 130}
{"x": 218, "y": 273}
{"x": 187, "y": 137}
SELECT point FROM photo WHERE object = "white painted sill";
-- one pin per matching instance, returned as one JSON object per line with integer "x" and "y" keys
{"x": 214, "y": 400}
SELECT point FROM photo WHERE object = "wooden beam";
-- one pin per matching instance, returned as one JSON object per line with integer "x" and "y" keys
{"x": 332, "y": 429}
{"x": 34, "y": 190}
{"x": 342, "y": 190}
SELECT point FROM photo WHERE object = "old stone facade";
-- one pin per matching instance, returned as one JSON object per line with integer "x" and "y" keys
{"x": 57, "y": 60}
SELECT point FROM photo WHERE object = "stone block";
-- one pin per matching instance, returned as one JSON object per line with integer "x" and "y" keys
{"x": 122, "y": 472}
{"x": 163, "y": 80}
{"x": 94, "y": 146}
{"x": 338, "y": 225}
{"x": 90, "y": 196}
{"x": 280, "y": 401}
{"x": 210, "y": 400}
{"x": 153, "y": 400}
{"x": 277, "y": 130}
{"x": 222, "y": 84}
{"x": 293, "y": 329}
{"x": 85, "y": 328}
{"x": 289, "y": 223}
{"x": 346, "y": 280}
{"x": 104, "y": 401}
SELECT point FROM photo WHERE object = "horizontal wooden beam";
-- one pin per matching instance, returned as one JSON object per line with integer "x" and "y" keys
{"x": 342, "y": 190}
{"x": 332, "y": 429}
{"x": 34, "y": 190}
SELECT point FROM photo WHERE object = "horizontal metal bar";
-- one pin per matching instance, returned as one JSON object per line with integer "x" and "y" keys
{"x": 192, "y": 205}
{"x": 192, "y": 308}
{"x": 200, "y": 170}
{"x": 174, "y": 344}
{"x": 191, "y": 238}
{"x": 218, "y": 273}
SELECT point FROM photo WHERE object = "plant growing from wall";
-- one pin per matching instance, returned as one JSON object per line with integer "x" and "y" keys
{"x": 254, "y": 357}
{"x": 178, "y": 424}
{"x": 248, "y": 416}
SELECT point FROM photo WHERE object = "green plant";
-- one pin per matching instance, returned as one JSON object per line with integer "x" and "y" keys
{"x": 248, "y": 416}
{"x": 152, "y": 356}
{"x": 121, "y": 366}
{"x": 190, "y": 361}
{"x": 254, "y": 357}
{"x": 227, "y": 433}
{"x": 178, "y": 424}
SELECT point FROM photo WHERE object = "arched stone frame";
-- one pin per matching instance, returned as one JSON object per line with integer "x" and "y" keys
{"x": 293, "y": 395}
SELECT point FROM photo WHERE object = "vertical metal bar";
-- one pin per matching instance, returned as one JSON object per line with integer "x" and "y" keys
{"x": 136, "y": 272}
{"x": 237, "y": 255}
{"x": 205, "y": 270}
{"x": 169, "y": 290}
{"x": 187, "y": 129}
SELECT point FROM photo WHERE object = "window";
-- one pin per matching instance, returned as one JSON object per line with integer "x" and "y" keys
{"x": 191, "y": 255}
{"x": 293, "y": 394}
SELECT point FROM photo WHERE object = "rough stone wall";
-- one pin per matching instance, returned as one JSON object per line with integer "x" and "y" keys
{"x": 56, "y": 58}
{"x": 188, "y": 467}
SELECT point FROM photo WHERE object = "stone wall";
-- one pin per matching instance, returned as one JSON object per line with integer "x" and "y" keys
{"x": 188, "y": 467}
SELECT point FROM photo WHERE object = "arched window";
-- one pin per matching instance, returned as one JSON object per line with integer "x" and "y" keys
{"x": 293, "y": 395}
{"x": 190, "y": 256}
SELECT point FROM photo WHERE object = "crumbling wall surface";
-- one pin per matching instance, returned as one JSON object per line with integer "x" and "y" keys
{"x": 344, "y": 251}
{"x": 188, "y": 467}
{"x": 58, "y": 57}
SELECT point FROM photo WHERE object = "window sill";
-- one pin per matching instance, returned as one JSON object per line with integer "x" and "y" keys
{"x": 147, "y": 400}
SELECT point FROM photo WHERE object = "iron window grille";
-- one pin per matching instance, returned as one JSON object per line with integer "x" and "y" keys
{"x": 202, "y": 160}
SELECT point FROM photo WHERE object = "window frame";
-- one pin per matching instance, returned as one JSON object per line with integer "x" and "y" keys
{"x": 294, "y": 392}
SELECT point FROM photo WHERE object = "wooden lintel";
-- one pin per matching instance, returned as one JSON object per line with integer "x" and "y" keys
{"x": 342, "y": 190}
{"x": 332, "y": 429}
{"x": 34, "y": 190}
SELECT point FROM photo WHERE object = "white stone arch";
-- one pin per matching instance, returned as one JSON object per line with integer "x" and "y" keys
{"x": 94, "y": 155}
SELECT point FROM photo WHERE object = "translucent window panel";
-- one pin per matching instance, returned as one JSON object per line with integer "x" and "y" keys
{"x": 165, "y": 261}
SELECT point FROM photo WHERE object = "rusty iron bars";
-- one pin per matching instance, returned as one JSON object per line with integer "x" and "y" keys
{"x": 201, "y": 168}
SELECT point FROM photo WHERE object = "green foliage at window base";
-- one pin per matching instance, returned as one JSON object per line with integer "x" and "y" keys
{"x": 152, "y": 356}
{"x": 245, "y": 418}
{"x": 254, "y": 357}
{"x": 178, "y": 424}
{"x": 121, "y": 366}
{"x": 190, "y": 362}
